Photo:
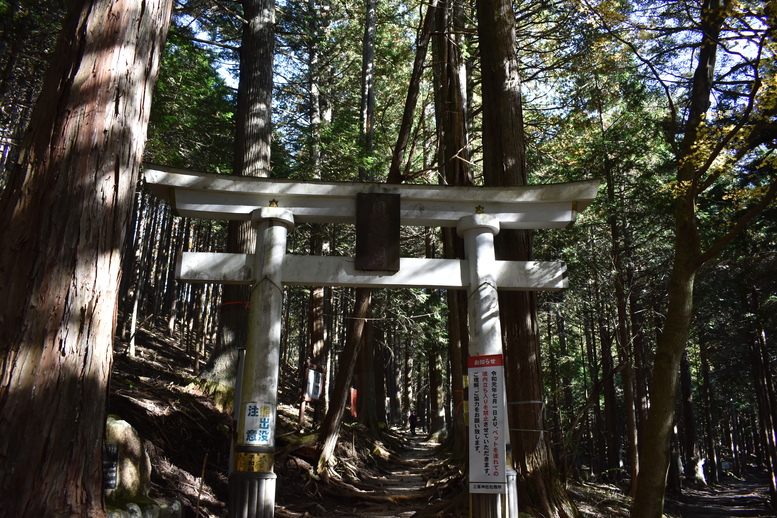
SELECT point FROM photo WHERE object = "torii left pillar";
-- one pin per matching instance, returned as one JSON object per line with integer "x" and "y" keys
{"x": 252, "y": 480}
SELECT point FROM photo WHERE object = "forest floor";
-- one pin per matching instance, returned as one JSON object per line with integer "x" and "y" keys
{"x": 395, "y": 475}
{"x": 404, "y": 486}
{"x": 733, "y": 497}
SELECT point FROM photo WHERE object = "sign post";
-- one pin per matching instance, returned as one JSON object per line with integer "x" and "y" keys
{"x": 313, "y": 383}
{"x": 277, "y": 205}
{"x": 487, "y": 409}
{"x": 254, "y": 451}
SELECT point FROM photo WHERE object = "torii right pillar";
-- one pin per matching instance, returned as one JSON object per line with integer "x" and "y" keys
{"x": 488, "y": 430}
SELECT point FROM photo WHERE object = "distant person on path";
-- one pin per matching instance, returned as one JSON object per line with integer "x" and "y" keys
{"x": 413, "y": 422}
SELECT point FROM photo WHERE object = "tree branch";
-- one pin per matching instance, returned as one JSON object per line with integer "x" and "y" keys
{"x": 740, "y": 225}
{"x": 647, "y": 63}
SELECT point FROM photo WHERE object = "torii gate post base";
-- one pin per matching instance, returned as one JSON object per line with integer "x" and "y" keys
{"x": 251, "y": 480}
{"x": 251, "y": 495}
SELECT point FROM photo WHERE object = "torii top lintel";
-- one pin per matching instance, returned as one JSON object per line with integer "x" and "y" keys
{"x": 218, "y": 196}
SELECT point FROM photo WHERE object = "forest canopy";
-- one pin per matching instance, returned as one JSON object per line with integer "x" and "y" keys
{"x": 664, "y": 340}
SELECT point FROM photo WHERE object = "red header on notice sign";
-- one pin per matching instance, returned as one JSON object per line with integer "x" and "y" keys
{"x": 488, "y": 360}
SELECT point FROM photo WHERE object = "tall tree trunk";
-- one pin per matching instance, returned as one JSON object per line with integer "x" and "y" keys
{"x": 654, "y": 453}
{"x": 318, "y": 342}
{"x": 690, "y": 444}
{"x": 640, "y": 369}
{"x": 172, "y": 302}
{"x": 600, "y": 442}
{"x": 618, "y": 246}
{"x": 64, "y": 218}
{"x": 253, "y": 117}
{"x": 319, "y": 350}
{"x": 393, "y": 377}
{"x": 379, "y": 342}
{"x": 365, "y": 378}
{"x": 611, "y": 429}
{"x": 622, "y": 331}
{"x": 452, "y": 99}
{"x": 367, "y": 106}
{"x": 163, "y": 264}
{"x": 566, "y": 458}
{"x": 436, "y": 390}
{"x": 710, "y": 439}
{"x": 555, "y": 423}
{"x": 330, "y": 427}
{"x": 422, "y": 44}
{"x": 455, "y": 169}
{"x": 651, "y": 483}
{"x": 458, "y": 343}
{"x": 129, "y": 282}
{"x": 763, "y": 382}
{"x": 409, "y": 395}
{"x": 540, "y": 488}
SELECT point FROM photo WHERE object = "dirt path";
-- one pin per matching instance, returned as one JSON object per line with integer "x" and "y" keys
{"x": 735, "y": 498}
{"x": 403, "y": 489}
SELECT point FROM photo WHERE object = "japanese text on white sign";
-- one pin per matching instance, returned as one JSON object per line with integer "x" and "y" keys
{"x": 259, "y": 420}
{"x": 487, "y": 424}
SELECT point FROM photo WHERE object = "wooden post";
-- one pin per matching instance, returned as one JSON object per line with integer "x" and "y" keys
{"x": 252, "y": 482}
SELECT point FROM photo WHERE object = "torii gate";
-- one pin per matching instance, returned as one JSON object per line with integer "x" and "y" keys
{"x": 276, "y": 205}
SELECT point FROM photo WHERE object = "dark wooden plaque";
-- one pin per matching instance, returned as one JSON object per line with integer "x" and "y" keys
{"x": 377, "y": 231}
{"x": 110, "y": 466}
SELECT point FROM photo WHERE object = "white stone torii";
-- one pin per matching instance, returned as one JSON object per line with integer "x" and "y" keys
{"x": 276, "y": 205}
{"x": 212, "y": 196}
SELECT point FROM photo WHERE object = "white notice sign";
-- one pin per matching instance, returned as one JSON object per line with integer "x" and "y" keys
{"x": 258, "y": 424}
{"x": 487, "y": 424}
{"x": 313, "y": 384}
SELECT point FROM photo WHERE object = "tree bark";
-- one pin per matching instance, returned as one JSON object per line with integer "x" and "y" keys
{"x": 318, "y": 342}
{"x": 64, "y": 218}
{"x": 409, "y": 395}
{"x": 253, "y": 136}
{"x": 618, "y": 240}
{"x": 422, "y": 44}
{"x": 600, "y": 459}
{"x": 330, "y": 428}
{"x": 366, "y": 380}
{"x": 763, "y": 383}
{"x": 640, "y": 382}
{"x": 504, "y": 164}
{"x": 451, "y": 96}
{"x": 455, "y": 169}
{"x": 379, "y": 354}
{"x": 710, "y": 439}
{"x": 436, "y": 390}
{"x": 458, "y": 344}
{"x": 651, "y": 483}
{"x": 367, "y": 105}
{"x": 655, "y": 450}
{"x": 688, "y": 439}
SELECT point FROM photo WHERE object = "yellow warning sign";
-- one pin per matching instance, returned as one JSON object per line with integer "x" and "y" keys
{"x": 254, "y": 462}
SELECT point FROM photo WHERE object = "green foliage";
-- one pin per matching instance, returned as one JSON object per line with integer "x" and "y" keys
{"x": 28, "y": 31}
{"x": 321, "y": 50}
{"x": 191, "y": 122}
{"x": 735, "y": 304}
{"x": 606, "y": 95}
{"x": 601, "y": 121}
